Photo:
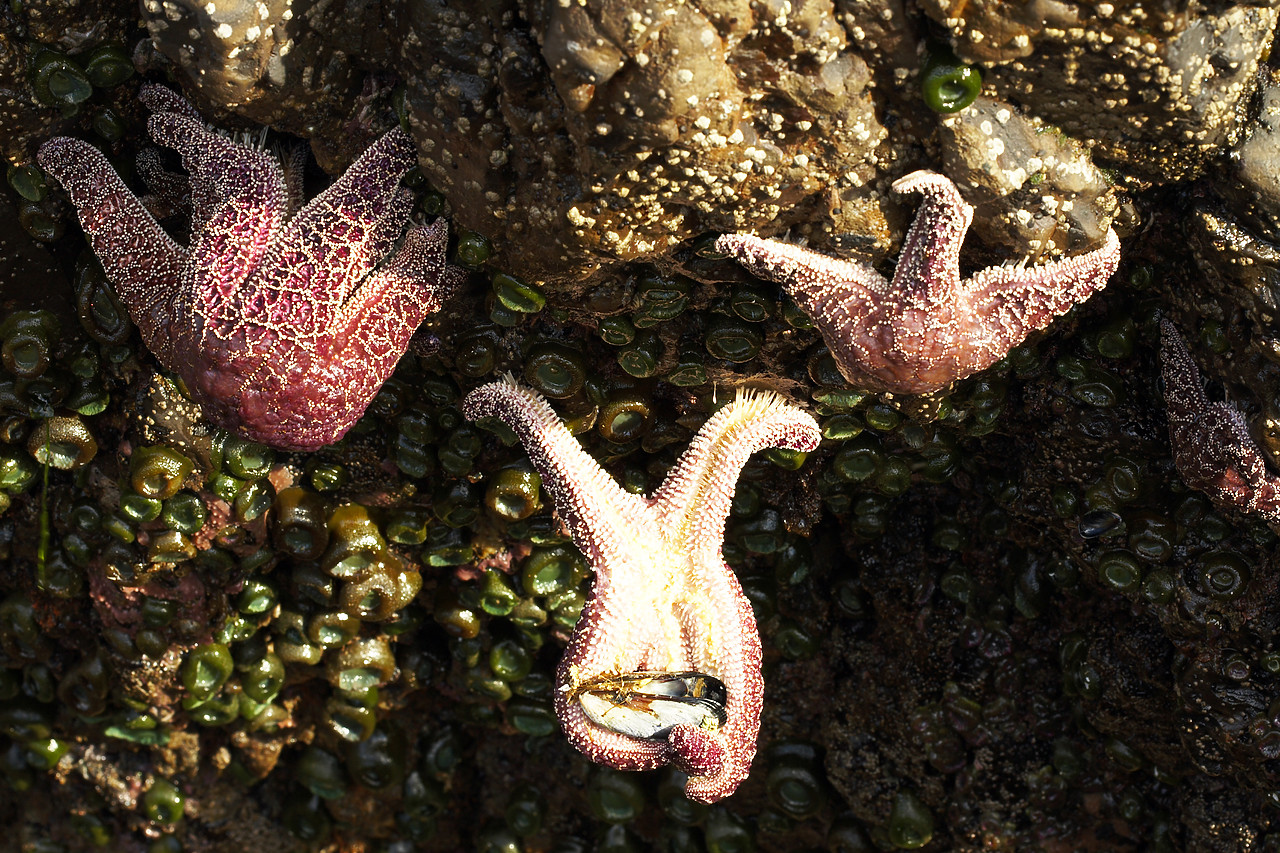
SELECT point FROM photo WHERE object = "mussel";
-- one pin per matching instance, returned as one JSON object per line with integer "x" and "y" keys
{"x": 647, "y": 705}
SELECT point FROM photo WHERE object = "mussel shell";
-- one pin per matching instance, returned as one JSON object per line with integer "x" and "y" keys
{"x": 647, "y": 705}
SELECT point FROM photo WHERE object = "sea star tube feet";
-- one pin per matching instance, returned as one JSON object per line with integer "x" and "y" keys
{"x": 928, "y": 327}
{"x": 664, "y": 600}
{"x": 283, "y": 328}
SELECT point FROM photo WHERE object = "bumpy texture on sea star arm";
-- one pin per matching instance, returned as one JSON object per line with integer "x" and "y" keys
{"x": 1212, "y": 447}
{"x": 239, "y": 202}
{"x": 589, "y": 502}
{"x": 342, "y": 233}
{"x": 283, "y": 326}
{"x": 138, "y": 256}
{"x": 664, "y": 600}
{"x": 162, "y": 99}
{"x": 928, "y": 327}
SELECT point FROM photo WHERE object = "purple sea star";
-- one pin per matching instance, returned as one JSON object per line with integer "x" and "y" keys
{"x": 664, "y": 600}
{"x": 283, "y": 331}
{"x": 1212, "y": 447}
{"x": 928, "y": 327}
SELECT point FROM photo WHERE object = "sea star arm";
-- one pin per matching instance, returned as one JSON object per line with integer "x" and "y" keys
{"x": 383, "y": 313}
{"x": 173, "y": 190}
{"x": 589, "y": 502}
{"x": 294, "y": 166}
{"x": 1000, "y": 306}
{"x": 141, "y": 260}
{"x": 695, "y": 496}
{"x": 1212, "y": 448}
{"x": 387, "y": 229}
{"x": 168, "y": 193}
{"x": 1184, "y": 396}
{"x": 341, "y": 234}
{"x": 607, "y": 525}
{"x": 245, "y": 194}
{"x": 219, "y": 169}
{"x": 693, "y": 503}
{"x": 804, "y": 273}
{"x": 838, "y": 296}
{"x": 928, "y": 270}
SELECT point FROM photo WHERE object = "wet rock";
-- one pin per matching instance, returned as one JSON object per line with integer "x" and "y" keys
{"x": 1254, "y": 195}
{"x": 1234, "y": 228}
{"x": 161, "y": 414}
{"x": 1220, "y": 818}
{"x": 28, "y": 35}
{"x": 29, "y": 274}
{"x": 933, "y": 566}
{"x": 586, "y": 142}
{"x": 292, "y": 67}
{"x": 1037, "y": 192}
{"x": 22, "y": 121}
{"x": 1233, "y": 257}
{"x": 1153, "y": 87}
{"x": 31, "y": 34}
{"x": 74, "y": 27}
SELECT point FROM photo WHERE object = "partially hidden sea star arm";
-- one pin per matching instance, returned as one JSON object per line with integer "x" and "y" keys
{"x": 140, "y": 259}
{"x": 1184, "y": 396}
{"x": 162, "y": 99}
{"x": 245, "y": 213}
{"x": 1212, "y": 448}
{"x": 168, "y": 193}
{"x": 200, "y": 192}
{"x": 294, "y": 166}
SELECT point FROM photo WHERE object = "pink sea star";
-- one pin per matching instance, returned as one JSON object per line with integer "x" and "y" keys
{"x": 1212, "y": 447}
{"x": 928, "y": 327}
{"x": 664, "y": 600}
{"x": 281, "y": 328}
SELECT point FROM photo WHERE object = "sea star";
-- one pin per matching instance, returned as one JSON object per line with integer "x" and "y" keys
{"x": 1212, "y": 447}
{"x": 283, "y": 331}
{"x": 664, "y": 600}
{"x": 929, "y": 327}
